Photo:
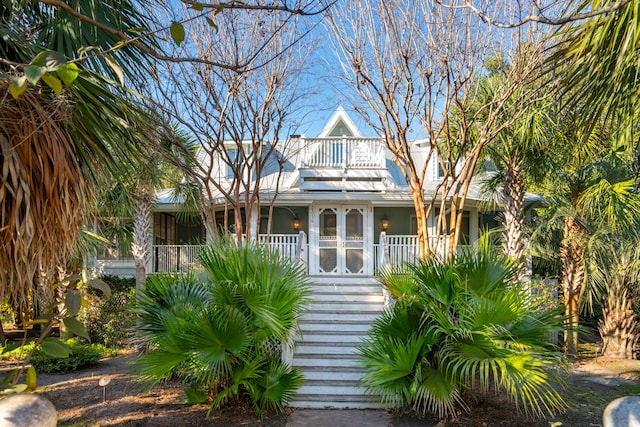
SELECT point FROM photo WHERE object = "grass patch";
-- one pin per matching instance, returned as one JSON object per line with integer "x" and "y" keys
{"x": 629, "y": 389}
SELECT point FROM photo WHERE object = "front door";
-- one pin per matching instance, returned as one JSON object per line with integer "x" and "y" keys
{"x": 341, "y": 240}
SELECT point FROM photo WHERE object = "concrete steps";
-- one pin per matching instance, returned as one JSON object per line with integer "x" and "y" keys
{"x": 338, "y": 318}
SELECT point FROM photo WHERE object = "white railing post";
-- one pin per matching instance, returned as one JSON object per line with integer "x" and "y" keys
{"x": 301, "y": 247}
{"x": 384, "y": 261}
{"x": 384, "y": 251}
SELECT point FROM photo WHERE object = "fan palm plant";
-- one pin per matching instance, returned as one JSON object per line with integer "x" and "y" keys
{"x": 220, "y": 331}
{"x": 462, "y": 325}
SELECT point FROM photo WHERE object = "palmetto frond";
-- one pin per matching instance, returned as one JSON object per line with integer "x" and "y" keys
{"x": 468, "y": 325}
{"x": 598, "y": 59}
{"x": 221, "y": 336}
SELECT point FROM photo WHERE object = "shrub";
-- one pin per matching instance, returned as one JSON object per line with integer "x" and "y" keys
{"x": 81, "y": 355}
{"x": 110, "y": 320}
{"x": 220, "y": 335}
{"x": 462, "y": 325}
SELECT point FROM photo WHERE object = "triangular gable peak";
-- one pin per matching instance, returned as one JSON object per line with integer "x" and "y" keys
{"x": 340, "y": 124}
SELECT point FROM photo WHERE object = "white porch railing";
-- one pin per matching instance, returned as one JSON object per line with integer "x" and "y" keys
{"x": 397, "y": 249}
{"x": 180, "y": 258}
{"x": 343, "y": 153}
{"x": 174, "y": 258}
{"x": 391, "y": 250}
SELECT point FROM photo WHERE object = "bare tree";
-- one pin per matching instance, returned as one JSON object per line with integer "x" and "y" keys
{"x": 418, "y": 64}
{"x": 237, "y": 118}
{"x": 147, "y": 40}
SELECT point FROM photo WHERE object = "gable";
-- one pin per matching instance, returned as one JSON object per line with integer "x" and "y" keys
{"x": 340, "y": 124}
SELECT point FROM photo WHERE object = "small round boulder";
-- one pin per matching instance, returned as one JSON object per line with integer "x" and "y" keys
{"x": 622, "y": 412}
{"x": 26, "y": 410}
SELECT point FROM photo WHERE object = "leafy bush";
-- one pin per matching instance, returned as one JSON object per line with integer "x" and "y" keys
{"x": 460, "y": 325}
{"x": 81, "y": 355}
{"x": 16, "y": 351}
{"x": 221, "y": 334}
{"x": 110, "y": 320}
{"x": 117, "y": 283}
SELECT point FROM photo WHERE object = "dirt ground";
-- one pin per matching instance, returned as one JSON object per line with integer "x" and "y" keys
{"x": 82, "y": 401}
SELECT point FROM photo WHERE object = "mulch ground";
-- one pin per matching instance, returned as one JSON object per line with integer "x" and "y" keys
{"x": 82, "y": 401}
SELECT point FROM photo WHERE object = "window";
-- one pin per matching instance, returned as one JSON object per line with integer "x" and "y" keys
{"x": 232, "y": 154}
{"x": 440, "y": 171}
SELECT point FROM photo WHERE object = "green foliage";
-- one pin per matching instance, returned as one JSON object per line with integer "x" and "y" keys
{"x": 220, "y": 333}
{"x": 79, "y": 357}
{"x": 109, "y": 321}
{"x": 460, "y": 325}
{"x": 118, "y": 284}
{"x": 16, "y": 351}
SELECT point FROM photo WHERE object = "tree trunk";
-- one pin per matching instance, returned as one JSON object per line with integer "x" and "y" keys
{"x": 140, "y": 245}
{"x": 618, "y": 326}
{"x": 571, "y": 255}
{"x": 425, "y": 249}
{"x": 513, "y": 198}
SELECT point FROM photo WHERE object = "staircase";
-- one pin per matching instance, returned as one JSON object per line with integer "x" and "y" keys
{"x": 338, "y": 317}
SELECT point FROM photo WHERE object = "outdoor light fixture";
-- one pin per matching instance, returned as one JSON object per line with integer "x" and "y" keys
{"x": 384, "y": 223}
{"x": 296, "y": 224}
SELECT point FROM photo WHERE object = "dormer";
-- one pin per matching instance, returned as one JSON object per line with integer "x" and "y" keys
{"x": 340, "y": 124}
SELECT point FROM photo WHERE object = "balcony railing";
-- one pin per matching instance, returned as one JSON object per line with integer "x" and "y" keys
{"x": 343, "y": 153}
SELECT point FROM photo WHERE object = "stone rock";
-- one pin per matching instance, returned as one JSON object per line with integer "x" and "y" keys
{"x": 622, "y": 412}
{"x": 27, "y": 410}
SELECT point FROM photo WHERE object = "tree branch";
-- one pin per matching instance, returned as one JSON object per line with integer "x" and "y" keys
{"x": 135, "y": 41}
{"x": 539, "y": 18}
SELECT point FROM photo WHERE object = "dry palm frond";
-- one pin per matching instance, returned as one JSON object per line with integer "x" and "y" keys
{"x": 42, "y": 190}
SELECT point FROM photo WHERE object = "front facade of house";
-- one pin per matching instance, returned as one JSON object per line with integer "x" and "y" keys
{"x": 342, "y": 207}
{"x": 344, "y": 210}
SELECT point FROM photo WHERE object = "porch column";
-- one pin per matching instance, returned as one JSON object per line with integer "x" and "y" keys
{"x": 474, "y": 232}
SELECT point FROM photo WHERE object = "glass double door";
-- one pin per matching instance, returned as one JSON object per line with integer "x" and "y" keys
{"x": 341, "y": 240}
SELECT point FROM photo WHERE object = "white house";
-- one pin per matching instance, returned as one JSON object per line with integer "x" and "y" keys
{"x": 343, "y": 209}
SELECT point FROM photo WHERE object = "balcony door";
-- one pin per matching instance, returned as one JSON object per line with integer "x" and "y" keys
{"x": 340, "y": 240}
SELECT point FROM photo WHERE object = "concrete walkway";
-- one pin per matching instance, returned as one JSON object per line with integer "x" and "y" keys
{"x": 339, "y": 418}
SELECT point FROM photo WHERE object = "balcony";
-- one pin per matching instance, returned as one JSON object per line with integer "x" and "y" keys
{"x": 342, "y": 164}
{"x": 343, "y": 153}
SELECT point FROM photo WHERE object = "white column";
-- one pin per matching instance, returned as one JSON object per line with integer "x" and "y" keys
{"x": 474, "y": 232}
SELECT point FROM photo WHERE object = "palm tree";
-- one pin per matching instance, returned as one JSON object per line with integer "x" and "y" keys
{"x": 460, "y": 325}
{"x": 592, "y": 191}
{"x": 58, "y": 140}
{"x": 520, "y": 152}
{"x": 616, "y": 278}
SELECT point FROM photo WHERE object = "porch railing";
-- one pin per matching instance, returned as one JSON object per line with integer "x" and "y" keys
{"x": 397, "y": 249}
{"x": 180, "y": 258}
{"x": 343, "y": 153}
{"x": 391, "y": 250}
{"x": 174, "y": 258}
